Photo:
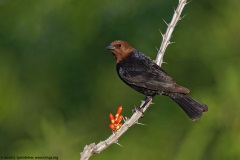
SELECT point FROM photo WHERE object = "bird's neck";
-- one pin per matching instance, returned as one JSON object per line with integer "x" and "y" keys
{"x": 124, "y": 57}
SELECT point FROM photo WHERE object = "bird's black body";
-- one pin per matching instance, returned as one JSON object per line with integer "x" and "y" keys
{"x": 142, "y": 74}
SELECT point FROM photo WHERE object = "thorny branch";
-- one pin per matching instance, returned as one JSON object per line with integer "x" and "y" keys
{"x": 167, "y": 36}
{"x": 93, "y": 148}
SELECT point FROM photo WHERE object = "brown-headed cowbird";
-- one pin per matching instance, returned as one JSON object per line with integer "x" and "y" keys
{"x": 142, "y": 74}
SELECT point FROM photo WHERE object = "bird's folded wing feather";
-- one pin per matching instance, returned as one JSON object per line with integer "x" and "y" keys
{"x": 153, "y": 78}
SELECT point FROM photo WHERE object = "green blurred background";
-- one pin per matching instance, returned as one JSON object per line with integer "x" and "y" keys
{"x": 58, "y": 84}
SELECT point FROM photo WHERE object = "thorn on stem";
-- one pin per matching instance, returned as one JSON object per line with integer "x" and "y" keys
{"x": 141, "y": 124}
{"x": 180, "y": 18}
{"x": 163, "y": 36}
{"x": 186, "y": 2}
{"x": 165, "y": 22}
{"x": 125, "y": 119}
{"x": 118, "y": 144}
{"x": 172, "y": 42}
{"x": 160, "y": 31}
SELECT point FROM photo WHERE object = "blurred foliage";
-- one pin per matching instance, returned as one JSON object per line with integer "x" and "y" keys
{"x": 58, "y": 83}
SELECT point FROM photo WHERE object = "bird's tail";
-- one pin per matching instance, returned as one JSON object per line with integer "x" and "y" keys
{"x": 190, "y": 106}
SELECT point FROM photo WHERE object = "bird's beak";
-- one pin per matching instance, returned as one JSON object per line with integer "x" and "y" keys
{"x": 110, "y": 47}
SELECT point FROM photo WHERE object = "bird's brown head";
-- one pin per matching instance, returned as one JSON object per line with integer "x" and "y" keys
{"x": 120, "y": 49}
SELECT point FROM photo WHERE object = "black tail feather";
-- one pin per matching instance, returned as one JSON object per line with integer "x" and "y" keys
{"x": 190, "y": 106}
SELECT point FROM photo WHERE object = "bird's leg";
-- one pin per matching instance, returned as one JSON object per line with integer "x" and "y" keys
{"x": 147, "y": 99}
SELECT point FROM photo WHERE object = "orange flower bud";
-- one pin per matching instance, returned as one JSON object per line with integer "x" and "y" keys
{"x": 119, "y": 111}
{"x": 119, "y": 119}
{"x": 111, "y": 118}
{"x": 111, "y": 125}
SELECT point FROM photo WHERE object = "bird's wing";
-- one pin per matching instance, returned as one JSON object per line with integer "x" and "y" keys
{"x": 154, "y": 77}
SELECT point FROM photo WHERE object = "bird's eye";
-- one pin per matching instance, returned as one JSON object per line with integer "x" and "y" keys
{"x": 119, "y": 45}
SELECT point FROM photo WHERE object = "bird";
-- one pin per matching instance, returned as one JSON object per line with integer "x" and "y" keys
{"x": 143, "y": 75}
